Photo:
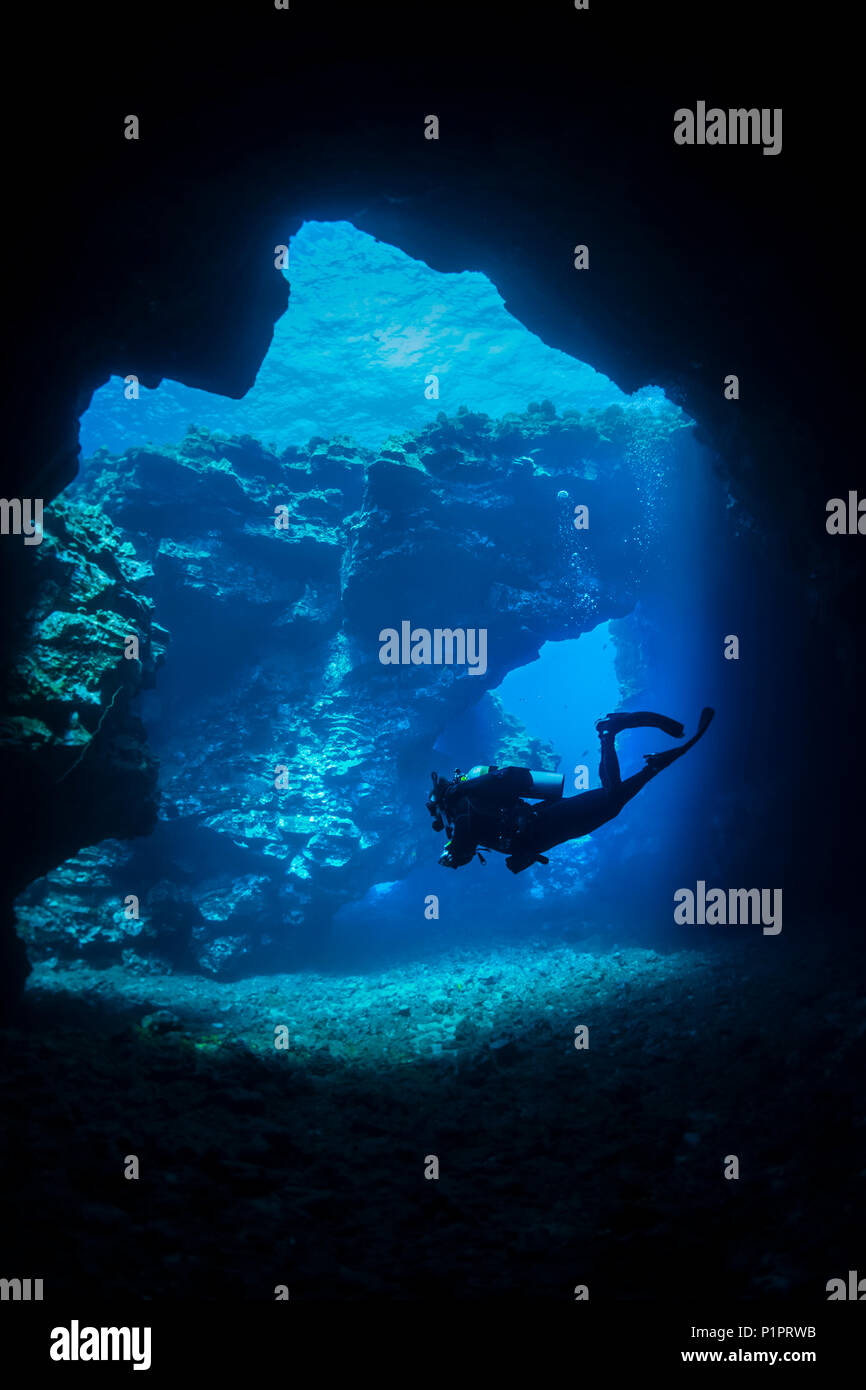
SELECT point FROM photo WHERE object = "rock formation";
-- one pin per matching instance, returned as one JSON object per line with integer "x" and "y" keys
{"x": 293, "y": 762}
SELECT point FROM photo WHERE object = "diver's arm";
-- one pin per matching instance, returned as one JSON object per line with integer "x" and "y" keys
{"x": 460, "y": 849}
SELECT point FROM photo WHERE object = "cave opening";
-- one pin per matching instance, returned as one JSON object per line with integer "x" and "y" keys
{"x": 391, "y": 371}
{"x": 559, "y": 696}
{"x": 366, "y": 325}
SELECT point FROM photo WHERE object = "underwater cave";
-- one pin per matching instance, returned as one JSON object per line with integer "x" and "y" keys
{"x": 258, "y": 642}
{"x": 426, "y": 424}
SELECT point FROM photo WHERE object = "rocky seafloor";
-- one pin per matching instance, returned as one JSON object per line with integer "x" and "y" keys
{"x": 305, "y": 1167}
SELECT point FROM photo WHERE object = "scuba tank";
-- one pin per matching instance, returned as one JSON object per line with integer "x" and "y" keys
{"x": 547, "y": 786}
{"x": 541, "y": 786}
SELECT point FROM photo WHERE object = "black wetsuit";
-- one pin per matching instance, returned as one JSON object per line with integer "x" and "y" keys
{"x": 489, "y": 811}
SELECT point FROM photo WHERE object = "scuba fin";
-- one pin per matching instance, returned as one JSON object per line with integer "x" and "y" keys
{"x": 639, "y": 719}
{"x": 656, "y": 762}
{"x": 517, "y": 863}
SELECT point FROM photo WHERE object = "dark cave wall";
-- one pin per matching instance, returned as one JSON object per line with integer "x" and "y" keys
{"x": 687, "y": 245}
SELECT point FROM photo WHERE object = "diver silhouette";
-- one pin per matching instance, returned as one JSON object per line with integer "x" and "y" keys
{"x": 485, "y": 807}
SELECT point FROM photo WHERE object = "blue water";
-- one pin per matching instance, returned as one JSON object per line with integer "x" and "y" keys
{"x": 559, "y": 697}
{"x": 366, "y": 325}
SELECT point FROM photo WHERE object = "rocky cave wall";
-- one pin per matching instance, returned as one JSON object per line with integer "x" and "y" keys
{"x": 274, "y": 656}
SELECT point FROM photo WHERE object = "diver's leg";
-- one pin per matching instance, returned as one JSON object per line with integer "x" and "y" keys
{"x": 608, "y": 768}
{"x": 657, "y": 762}
{"x": 576, "y": 816}
{"x": 618, "y": 792}
{"x": 569, "y": 819}
{"x": 572, "y": 818}
{"x": 640, "y": 719}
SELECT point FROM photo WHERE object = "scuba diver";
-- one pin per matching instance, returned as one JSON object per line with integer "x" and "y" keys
{"x": 485, "y": 806}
